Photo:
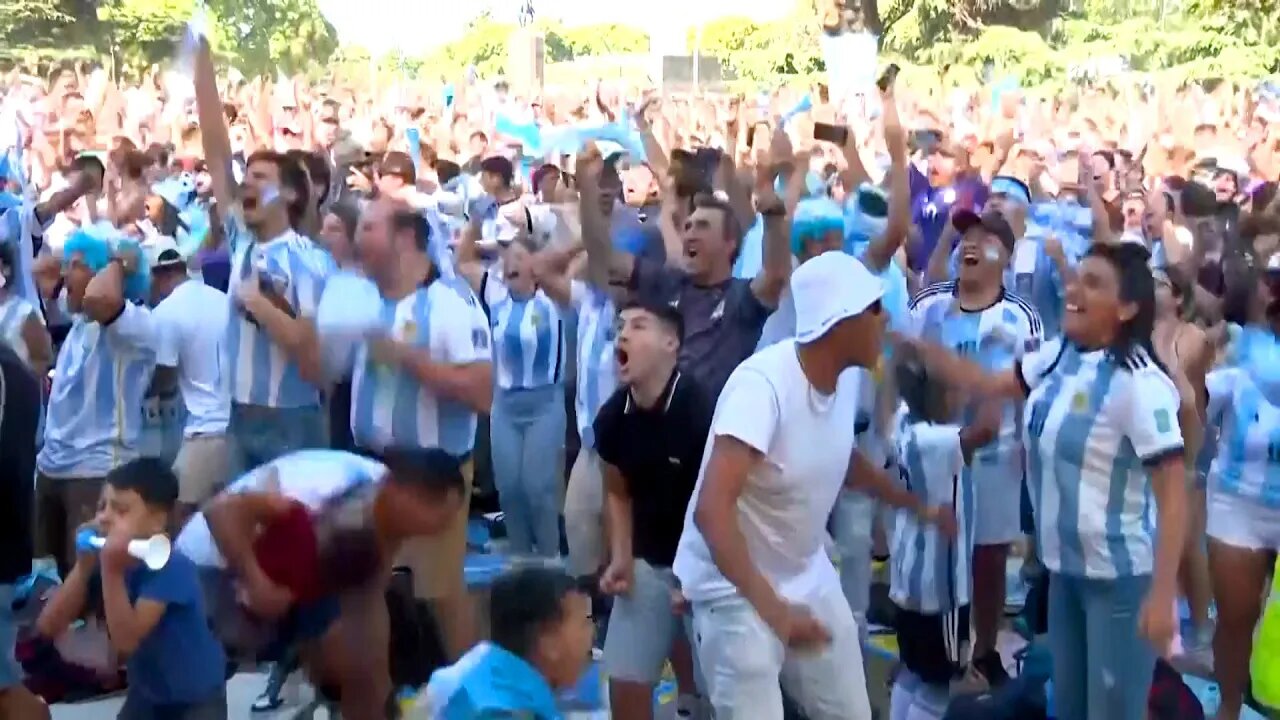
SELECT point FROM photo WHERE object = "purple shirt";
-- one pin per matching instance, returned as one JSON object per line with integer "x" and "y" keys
{"x": 215, "y": 267}
{"x": 930, "y": 208}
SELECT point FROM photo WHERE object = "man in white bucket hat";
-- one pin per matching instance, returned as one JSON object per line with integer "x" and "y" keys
{"x": 767, "y": 602}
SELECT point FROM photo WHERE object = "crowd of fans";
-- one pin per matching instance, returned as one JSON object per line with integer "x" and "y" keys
{"x": 713, "y": 351}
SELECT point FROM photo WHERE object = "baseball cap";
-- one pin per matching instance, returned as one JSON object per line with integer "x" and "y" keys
{"x": 829, "y": 288}
{"x": 992, "y": 222}
{"x": 162, "y": 251}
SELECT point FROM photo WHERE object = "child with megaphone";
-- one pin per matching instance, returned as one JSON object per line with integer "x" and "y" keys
{"x": 151, "y": 599}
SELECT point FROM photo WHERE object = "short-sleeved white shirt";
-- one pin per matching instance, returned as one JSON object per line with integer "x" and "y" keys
{"x": 190, "y": 330}
{"x": 806, "y": 440}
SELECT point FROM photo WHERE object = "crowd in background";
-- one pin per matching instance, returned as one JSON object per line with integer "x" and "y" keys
{"x": 693, "y": 342}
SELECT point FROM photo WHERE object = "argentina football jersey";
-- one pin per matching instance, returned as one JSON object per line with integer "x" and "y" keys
{"x": 597, "y": 363}
{"x": 261, "y": 371}
{"x": 1093, "y": 424}
{"x": 527, "y": 338}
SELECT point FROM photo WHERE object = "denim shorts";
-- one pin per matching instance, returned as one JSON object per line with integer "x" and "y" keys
{"x": 10, "y": 670}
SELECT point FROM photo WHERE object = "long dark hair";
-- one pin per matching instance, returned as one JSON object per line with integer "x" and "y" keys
{"x": 1137, "y": 285}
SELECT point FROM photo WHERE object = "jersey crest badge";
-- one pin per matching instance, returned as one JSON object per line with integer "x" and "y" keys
{"x": 1163, "y": 422}
{"x": 1080, "y": 403}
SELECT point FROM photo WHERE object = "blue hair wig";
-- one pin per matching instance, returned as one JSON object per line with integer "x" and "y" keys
{"x": 95, "y": 245}
{"x": 137, "y": 285}
{"x": 93, "y": 248}
{"x": 813, "y": 219}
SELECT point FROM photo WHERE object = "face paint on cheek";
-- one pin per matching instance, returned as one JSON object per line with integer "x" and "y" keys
{"x": 991, "y": 253}
{"x": 270, "y": 194}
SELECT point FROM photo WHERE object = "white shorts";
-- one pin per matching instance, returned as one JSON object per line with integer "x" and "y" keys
{"x": 742, "y": 662}
{"x": 997, "y": 499}
{"x": 1242, "y": 523}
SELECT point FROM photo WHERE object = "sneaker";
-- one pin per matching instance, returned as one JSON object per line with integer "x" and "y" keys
{"x": 692, "y": 707}
{"x": 272, "y": 697}
{"x": 991, "y": 666}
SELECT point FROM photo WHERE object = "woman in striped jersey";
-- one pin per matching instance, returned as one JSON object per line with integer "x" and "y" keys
{"x": 527, "y": 425}
{"x": 1243, "y": 518}
{"x": 930, "y": 579}
{"x": 1102, "y": 437}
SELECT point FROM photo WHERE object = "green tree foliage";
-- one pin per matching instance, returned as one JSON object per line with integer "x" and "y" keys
{"x": 593, "y": 40}
{"x": 764, "y": 53}
{"x": 484, "y": 45}
{"x": 38, "y": 31}
{"x": 143, "y": 31}
{"x": 263, "y": 36}
{"x": 257, "y": 36}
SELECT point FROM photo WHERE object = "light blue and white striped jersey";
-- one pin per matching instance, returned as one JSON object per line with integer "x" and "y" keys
{"x": 1247, "y": 461}
{"x": 389, "y": 406}
{"x": 18, "y": 227}
{"x": 994, "y": 337}
{"x": 1094, "y": 425}
{"x": 479, "y": 333}
{"x": 1034, "y": 277}
{"x": 929, "y": 573}
{"x": 597, "y": 361}
{"x": 528, "y": 342}
{"x": 1068, "y": 220}
{"x": 261, "y": 371}
{"x": 14, "y": 311}
{"x": 95, "y": 406}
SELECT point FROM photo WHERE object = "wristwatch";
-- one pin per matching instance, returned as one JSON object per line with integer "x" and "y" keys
{"x": 778, "y": 210}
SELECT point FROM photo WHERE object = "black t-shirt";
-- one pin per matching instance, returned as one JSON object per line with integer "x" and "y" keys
{"x": 19, "y": 416}
{"x": 658, "y": 452}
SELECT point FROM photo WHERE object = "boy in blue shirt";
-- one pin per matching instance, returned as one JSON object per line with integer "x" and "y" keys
{"x": 540, "y": 621}
{"x": 155, "y": 618}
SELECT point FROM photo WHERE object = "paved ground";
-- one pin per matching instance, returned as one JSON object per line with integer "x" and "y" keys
{"x": 241, "y": 691}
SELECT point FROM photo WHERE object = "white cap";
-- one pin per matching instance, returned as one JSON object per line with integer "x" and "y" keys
{"x": 162, "y": 251}
{"x": 829, "y": 288}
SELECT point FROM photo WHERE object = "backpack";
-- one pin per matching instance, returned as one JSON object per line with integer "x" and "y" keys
{"x": 1023, "y": 697}
{"x": 79, "y": 665}
{"x": 1170, "y": 698}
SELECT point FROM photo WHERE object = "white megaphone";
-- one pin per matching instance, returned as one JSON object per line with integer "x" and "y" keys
{"x": 153, "y": 552}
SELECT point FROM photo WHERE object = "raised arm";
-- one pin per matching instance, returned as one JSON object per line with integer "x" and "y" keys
{"x": 882, "y": 249}
{"x": 213, "y": 127}
{"x": 775, "y": 268}
{"x": 605, "y": 264}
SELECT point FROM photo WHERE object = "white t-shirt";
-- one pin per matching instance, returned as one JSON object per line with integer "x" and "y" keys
{"x": 189, "y": 326}
{"x": 806, "y": 439}
{"x": 311, "y": 477}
